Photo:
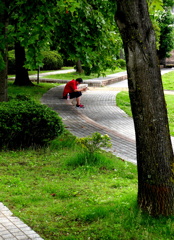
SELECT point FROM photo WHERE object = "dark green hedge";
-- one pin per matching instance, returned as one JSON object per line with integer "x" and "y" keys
{"x": 11, "y": 62}
{"x": 52, "y": 61}
{"x": 120, "y": 63}
{"x": 26, "y": 123}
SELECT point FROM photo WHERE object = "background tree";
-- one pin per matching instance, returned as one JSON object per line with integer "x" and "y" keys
{"x": 88, "y": 34}
{"x": 3, "y": 50}
{"x": 30, "y": 26}
{"x": 155, "y": 160}
{"x": 166, "y": 42}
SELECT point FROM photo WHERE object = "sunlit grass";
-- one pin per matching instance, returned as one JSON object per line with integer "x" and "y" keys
{"x": 123, "y": 102}
{"x": 34, "y": 92}
{"x": 74, "y": 75}
{"x": 168, "y": 81}
{"x": 62, "y": 200}
{"x": 35, "y": 72}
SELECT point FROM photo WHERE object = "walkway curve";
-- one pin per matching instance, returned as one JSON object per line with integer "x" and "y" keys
{"x": 99, "y": 115}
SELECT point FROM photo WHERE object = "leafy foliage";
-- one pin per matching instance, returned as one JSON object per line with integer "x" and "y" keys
{"x": 166, "y": 33}
{"x": 95, "y": 142}
{"x": 11, "y": 62}
{"x": 120, "y": 63}
{"x": 89, "y": 34}
{"x": 24, "y": 123}
{"x": 52, "y": 60}
{"x": 160, "y": 12}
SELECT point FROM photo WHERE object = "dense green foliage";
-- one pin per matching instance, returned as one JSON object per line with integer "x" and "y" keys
{"x": 160, "y": 13}
{"x": 24, "y": 123}
{"x": 52, "y": 60}
{"x": 11, "y": 62}
{"x": 88, "y": 34}
{"x": 120, "y": 63}
{"x": 166, "y": 42}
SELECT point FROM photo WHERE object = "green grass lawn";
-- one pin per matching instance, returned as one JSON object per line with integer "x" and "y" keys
{"x": 35, "y": 72}
{"x": 74, "y": 75}
{"x": 34, "y": 92}
{"x": 168, "y": 81}
{"x": 59, "y": 199}
{"x": 123, "y": 101}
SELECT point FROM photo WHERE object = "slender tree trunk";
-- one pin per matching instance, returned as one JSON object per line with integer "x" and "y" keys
{"x": 3, "y": 53}
{"x": 155, "y": 160}
{"x": 79, "y": 66}
{"x": 22, "y": 78}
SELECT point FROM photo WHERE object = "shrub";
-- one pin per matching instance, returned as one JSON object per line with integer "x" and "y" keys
{"x": 52, "y": 60}
{"x": 120, "y": 63}
{"x": 26, "y": 123}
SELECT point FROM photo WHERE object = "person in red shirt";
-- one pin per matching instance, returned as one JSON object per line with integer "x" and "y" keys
{"x": 73, "y": 91}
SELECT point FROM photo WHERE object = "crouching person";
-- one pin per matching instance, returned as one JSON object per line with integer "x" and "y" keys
{"x": 72, "y": 89}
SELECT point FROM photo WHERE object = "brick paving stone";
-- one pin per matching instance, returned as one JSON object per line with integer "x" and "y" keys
{"x": 83, "y": 122}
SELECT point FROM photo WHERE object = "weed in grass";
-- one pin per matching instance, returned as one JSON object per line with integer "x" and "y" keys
{"x": 66, "y": 140}
{"x": 89, "y": 159}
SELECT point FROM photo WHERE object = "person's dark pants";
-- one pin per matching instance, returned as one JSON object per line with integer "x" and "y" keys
{"x": 73, "y": 95}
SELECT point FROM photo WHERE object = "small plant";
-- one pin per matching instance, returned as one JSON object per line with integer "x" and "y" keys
{"x": 95, "y": 142}
{"x": 89, "y": 153}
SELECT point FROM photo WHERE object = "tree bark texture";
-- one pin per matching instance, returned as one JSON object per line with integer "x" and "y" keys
{"x": 22, "y": 78}
{"x": 155, "y": 160}
{"x": 3, "y": 52}
{"x": 79, "y": 66}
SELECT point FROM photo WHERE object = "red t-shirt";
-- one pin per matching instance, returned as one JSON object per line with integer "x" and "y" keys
{"x": 70, "y": 87}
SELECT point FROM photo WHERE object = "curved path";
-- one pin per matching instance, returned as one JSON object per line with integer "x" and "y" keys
{"x": 99, "y": 115}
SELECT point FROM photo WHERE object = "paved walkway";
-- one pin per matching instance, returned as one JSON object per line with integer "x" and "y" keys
{"x": 99, "y": 115}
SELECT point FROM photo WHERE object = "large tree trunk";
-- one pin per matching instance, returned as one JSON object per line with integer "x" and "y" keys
{"x": 3, "y": 53}
{"x": 155, "y": 160}
{"x": 22, "y": 78}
